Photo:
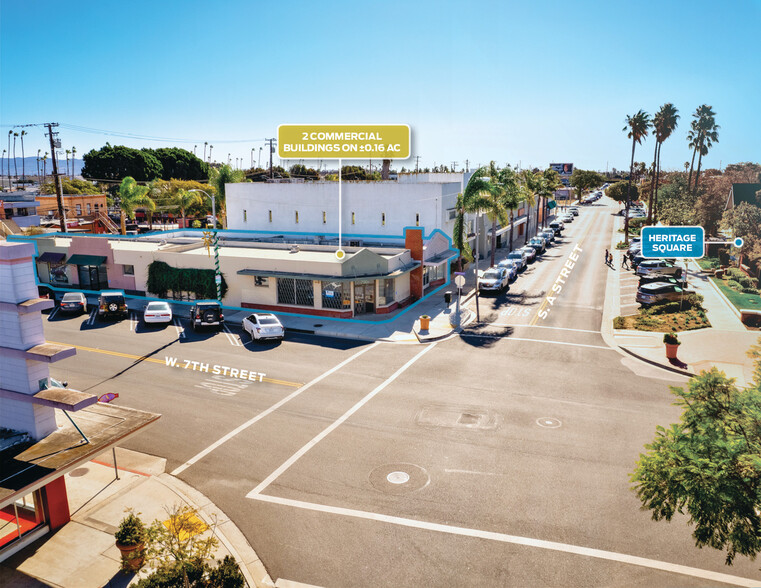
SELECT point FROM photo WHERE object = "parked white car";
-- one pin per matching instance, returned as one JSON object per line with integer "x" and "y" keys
{"x": 495, "y": 279}
{"x": 157, "y": 312}
{"x": 263, "y": 326}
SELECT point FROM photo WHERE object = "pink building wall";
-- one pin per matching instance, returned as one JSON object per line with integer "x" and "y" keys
{"x": 101, "y": 246}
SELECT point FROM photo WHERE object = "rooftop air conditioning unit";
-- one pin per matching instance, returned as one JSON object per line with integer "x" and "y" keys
{"x": 294, "y": 248}
{"x": 356, "y": 243}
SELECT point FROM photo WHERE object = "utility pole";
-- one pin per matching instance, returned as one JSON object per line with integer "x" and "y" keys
{"x": 467, "y": 169}
{"x": 454, "y": 167}
{"x": 56, "y": 177}
{"x": 417, "y": 163}
{"x": 272, "y": 150}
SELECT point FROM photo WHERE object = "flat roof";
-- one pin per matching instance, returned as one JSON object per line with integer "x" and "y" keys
{"x": 33, "y": 466}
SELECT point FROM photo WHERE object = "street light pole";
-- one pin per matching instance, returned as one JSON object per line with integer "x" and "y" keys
{"x": 215, "y": 241}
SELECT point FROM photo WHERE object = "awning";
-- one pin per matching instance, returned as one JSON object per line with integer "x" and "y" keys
{"x": 440, "y": 259}
{"x": 320, "y": 277}
{"x": 86, "y": 260}
{"x": 52, "y": 257}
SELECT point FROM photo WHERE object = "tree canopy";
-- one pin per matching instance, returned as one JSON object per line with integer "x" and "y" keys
{"x": 618, "y": 192}
{"x": 118, "y": 162}
{"x": 585, "y": 180}
{"x": 708, "y": 465}
{"x": 71, "y": 187}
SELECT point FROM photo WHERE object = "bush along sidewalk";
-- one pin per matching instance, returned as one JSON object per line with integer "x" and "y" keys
{"x": 669, "y": 316}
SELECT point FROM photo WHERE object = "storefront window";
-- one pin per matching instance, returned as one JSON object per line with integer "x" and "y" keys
{"x": 336, "y": 295}
{"x": 385, "y": 292}
{"x": 295, "y": 291}
{"x": 20, "y": 517}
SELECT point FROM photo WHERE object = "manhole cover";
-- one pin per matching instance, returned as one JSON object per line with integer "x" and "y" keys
{"x": 398, "y": 478}
{"x": 548, "y": 422}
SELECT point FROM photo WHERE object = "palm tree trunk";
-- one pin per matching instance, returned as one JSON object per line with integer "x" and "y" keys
{"x": 528, "y": 219}
{"x": 123, "y": 223}
{"x": 23, "y": 167}
{"x": 692, "y": 164}
{"x": 493, "y": 239}
{"x": 652, "y": 187}
{"x": 538, "y": 203}
{"x": 657, "y": 181}
{"x": 15, "y": 163}
{"x": 628, "y": 195}
{"x": 697, "y": 175}
{"x": 511, "y": 231}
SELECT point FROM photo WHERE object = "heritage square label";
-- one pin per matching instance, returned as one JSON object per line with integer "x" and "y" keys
{"x": 343, "y": 141}
{"x": 677, "y": 242}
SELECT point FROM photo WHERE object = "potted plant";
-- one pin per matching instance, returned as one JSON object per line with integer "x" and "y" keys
{"x": 130, "y": 540}
{"x": 672, "y": 345}
{"x": 425, "y": 322}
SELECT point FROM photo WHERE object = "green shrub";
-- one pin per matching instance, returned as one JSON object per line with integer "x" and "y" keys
{"x": 619, "y": 323}
{"x": 750, "y": 290}
{"x": 196, "y": 224}
{"x": 131, "y": 530}
{"x": 163, "y": 277}
{"x": 734, "y": 285}
{"x": 671, "y": 339}
{"x": 693, "y": 301}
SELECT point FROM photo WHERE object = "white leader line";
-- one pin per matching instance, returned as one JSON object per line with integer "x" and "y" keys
{"x": 177, "y": 471}
{"x": 320, "y": 436}
{"x": 517, "y": 540}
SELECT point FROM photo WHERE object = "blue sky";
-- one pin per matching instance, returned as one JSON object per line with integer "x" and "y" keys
{"x": 531, "y": 82}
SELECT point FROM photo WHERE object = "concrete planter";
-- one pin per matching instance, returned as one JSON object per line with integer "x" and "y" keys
{"x": 425, "y": 322}
{"x": 133, "y": 556}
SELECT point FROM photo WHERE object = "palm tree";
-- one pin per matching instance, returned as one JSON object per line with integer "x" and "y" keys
{"x": 183, "y": 200}
{"x": 68, "y": 152}
{"x": 512, "y": 193}
{"x": 693, "y": 136}
{"x": 458, "y": 233}
{"x": 532, "y": 183}
{"x": 10, "y": 186}
{"x": 637, "y": 125}
{"x": 218, "y": 178}
{"x": 38, "y": 166}
{"x": 476, "y": 197}
{"x": 15, "y": 163}
{"x": 132, "y": 197}
{"x": 44, "y": 167}
{"x": 73, "y": 155}
{"x": 23, "y": 167}
{"x": 709, "y": 135}
{"x": 494, "y": 204}
{"x": 2, "y": 184}
{"x": 664, "y": 123}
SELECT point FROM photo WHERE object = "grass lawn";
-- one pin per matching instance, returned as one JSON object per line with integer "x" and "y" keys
{"x": 687, "y": 320}
{"x": 708, "y": 262}
{"x": 739, "y": 299}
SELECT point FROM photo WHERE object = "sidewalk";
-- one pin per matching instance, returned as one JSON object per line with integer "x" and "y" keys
{"x": 82, "y": 554}
{"x": 724, "y": 345}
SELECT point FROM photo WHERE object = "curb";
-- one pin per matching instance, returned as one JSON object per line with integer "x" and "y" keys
{"x": 228, "y": 533}
{"x": 670, "y": 368}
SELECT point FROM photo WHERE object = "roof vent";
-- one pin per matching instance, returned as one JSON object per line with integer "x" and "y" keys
{"x": 294, "y": 248}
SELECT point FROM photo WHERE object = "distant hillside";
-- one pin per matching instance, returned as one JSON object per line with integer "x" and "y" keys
{"x": 30, "y": 164}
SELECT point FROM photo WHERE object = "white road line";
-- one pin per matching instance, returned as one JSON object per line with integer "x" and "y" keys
{"x": 511, "y": 338}
{"x": 231, "y": 337}
{"x": 319, "y": 437}
{"x": 179, "y": 327}
{"x": 635, "y": 560}
{"x": 451, "y": 471}
{"x": 52, "y": 314}
{"x": 93, "y": 314}
{"x": 177, "y": 471}
{"x": 540, "y": 327}
{"x": 133, "y": 322}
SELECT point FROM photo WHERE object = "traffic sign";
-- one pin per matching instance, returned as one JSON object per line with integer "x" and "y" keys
{"x": 459, "y": 281}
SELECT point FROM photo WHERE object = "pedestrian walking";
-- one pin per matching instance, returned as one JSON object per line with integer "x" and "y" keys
{"x": 607, "y": 259}
{"x": 610, "y": 259}
{"x": 625, "y": 261}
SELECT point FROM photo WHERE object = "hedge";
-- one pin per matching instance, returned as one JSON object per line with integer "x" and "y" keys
{"x": 162, "y": 277}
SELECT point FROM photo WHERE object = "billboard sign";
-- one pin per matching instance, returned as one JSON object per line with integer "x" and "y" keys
{"x": 564, "y": 169}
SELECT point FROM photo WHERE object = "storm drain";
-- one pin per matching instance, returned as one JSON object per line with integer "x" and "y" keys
{"x": 460, "y": 417}
{"x": 398, "y": 478}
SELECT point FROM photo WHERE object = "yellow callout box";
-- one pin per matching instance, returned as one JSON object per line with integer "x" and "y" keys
{"x": 343, "y": 141}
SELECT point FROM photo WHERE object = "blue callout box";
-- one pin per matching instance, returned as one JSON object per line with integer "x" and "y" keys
{"x": 678, "y": 242}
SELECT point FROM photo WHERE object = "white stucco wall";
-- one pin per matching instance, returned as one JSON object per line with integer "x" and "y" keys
{"x": 367, "y": 201}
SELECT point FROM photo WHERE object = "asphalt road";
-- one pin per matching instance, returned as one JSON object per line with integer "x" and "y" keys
{"x": 497, "y": 458}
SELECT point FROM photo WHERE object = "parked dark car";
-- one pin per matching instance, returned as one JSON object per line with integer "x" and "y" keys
{"x": 206, "y": 313}
{"x": 111, "y": 303}
{"x": 73, "y": 302}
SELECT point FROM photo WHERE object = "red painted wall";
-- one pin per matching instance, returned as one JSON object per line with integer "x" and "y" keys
{"x": 413, "y": 240}
{"x": 56, "y": 503}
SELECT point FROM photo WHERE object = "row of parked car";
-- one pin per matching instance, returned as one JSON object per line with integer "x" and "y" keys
{"x": 660, "y": 280}
{"x": 499, "y": 277}
{"x": 203, "y": 314}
